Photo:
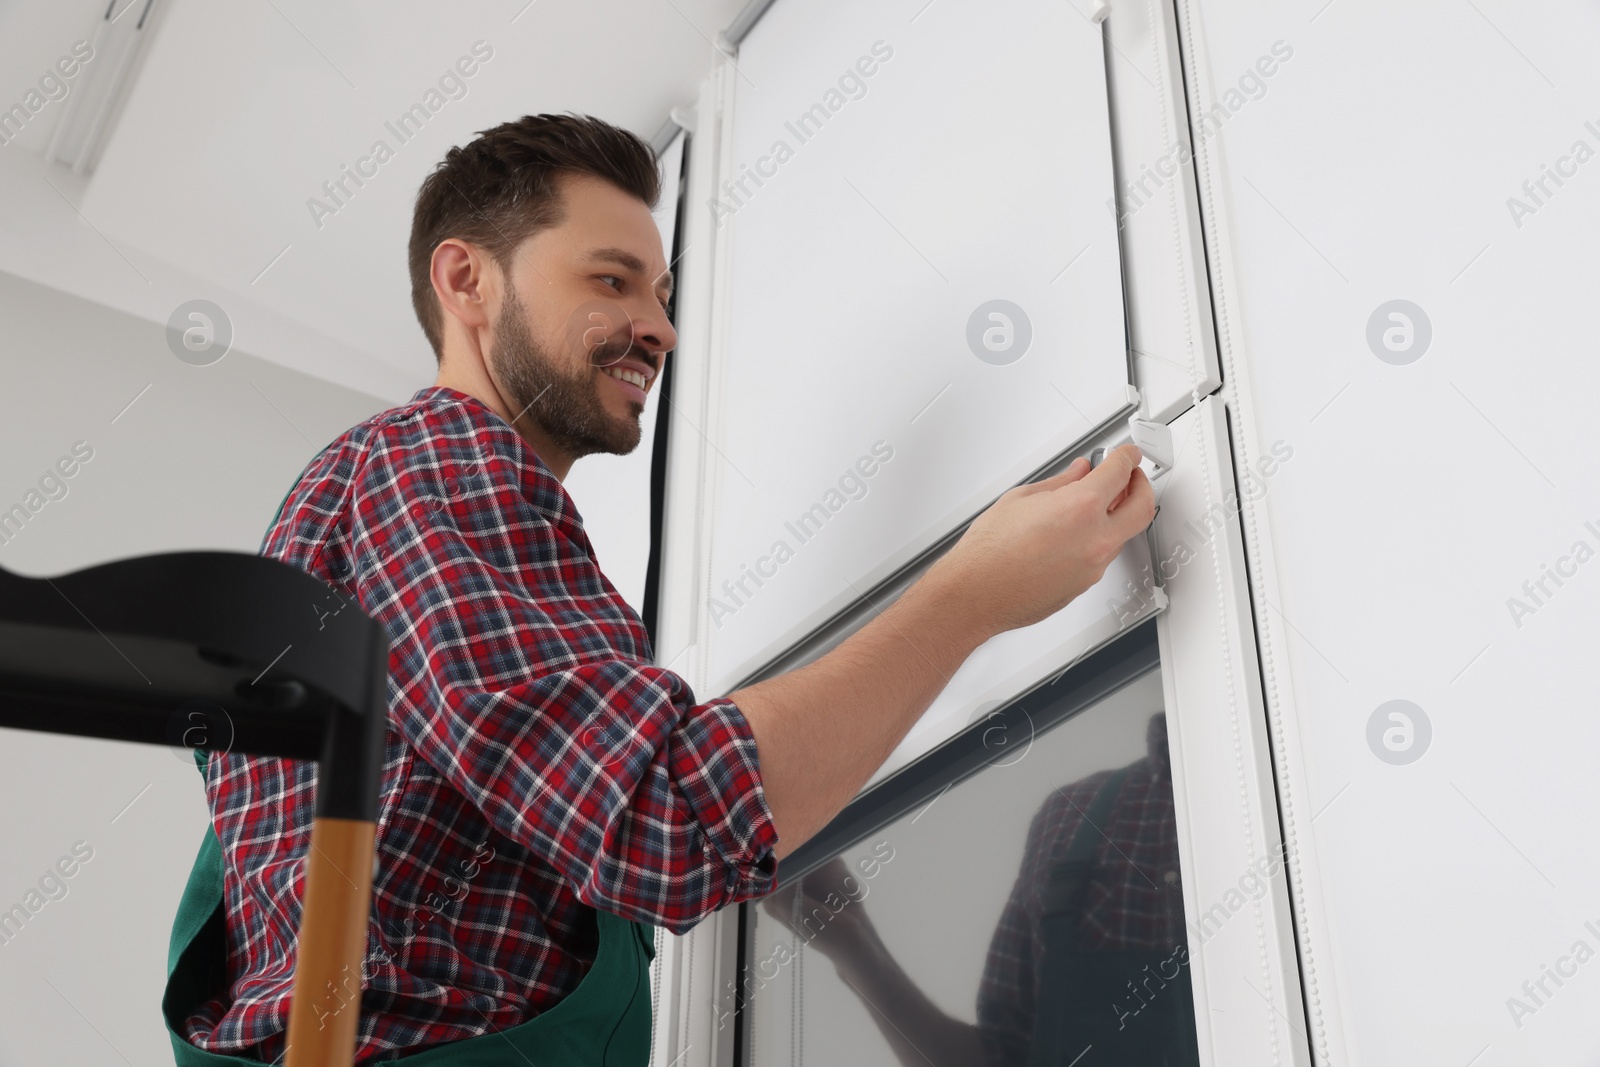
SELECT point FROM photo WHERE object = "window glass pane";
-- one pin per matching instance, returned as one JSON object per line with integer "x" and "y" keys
{"x": 1032, "y": 914}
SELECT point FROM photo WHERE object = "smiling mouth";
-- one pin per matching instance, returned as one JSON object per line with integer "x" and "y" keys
{"x": 631, "y": 381}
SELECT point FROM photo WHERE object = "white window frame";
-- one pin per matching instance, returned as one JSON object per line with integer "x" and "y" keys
{"x": 1246, "y": 976}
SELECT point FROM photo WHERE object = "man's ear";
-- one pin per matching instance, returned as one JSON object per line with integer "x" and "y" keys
{"x": 466, "y": 282}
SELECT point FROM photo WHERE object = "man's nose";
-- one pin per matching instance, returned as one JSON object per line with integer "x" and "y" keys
{"x": 655, "y": 333}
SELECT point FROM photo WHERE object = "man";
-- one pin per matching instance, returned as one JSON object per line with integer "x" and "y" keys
{"x": 548, "y": 792}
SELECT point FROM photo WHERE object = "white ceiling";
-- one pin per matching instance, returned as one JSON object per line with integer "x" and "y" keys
{"x": 239, "y": 112}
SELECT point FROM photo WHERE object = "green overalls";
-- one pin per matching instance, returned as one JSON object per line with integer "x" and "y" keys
{"x": 604, "y": 1021}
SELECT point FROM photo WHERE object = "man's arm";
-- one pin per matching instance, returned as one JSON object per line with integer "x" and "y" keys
{"x": 507, "y": 680}
{"x": 823, "y": 729}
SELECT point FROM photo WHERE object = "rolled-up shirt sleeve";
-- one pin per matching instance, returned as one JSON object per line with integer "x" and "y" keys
{"x": 516, "y": 673}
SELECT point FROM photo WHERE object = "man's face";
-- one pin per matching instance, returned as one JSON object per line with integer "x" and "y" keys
{"x": 585, "y": 309}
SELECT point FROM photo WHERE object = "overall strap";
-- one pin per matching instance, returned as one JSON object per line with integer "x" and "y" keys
{"x": 1084, "y": 841}
{"x": 1067, "y": 879}
{"x": 203, "y": 893}
{"x": 197, "y": 952}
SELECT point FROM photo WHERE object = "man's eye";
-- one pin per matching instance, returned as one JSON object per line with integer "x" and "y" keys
{"x": 618, "y": 279}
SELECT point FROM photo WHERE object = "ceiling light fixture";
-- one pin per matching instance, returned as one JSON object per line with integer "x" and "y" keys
{"x": 86, "y": 123}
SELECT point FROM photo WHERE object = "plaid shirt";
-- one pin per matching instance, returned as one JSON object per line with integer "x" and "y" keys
{"x": 538, "y": 766}
{"x": 1133, "y": 899}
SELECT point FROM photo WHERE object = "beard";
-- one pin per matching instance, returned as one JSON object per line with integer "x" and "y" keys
{"x": 569, "y": 409}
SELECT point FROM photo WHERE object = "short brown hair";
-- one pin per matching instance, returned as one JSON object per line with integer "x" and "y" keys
{"x": 502, "y": 188}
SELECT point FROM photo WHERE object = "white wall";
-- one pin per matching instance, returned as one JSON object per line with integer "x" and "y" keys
{"x": 1378, "y": 163}
{"x": 236, "y": 115}
{"x": 200, "y": 459}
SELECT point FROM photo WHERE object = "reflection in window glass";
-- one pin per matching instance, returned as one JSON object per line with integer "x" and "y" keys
{"x": 1031, "y": 915}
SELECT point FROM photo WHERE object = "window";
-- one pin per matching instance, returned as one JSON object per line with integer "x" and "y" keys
{"x": 1029, "y": 913}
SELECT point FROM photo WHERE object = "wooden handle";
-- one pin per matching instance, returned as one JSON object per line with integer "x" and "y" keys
{"x": 326, "y": 1002}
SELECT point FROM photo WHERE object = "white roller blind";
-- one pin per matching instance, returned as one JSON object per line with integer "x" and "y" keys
{"x": 926, "y": 301}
